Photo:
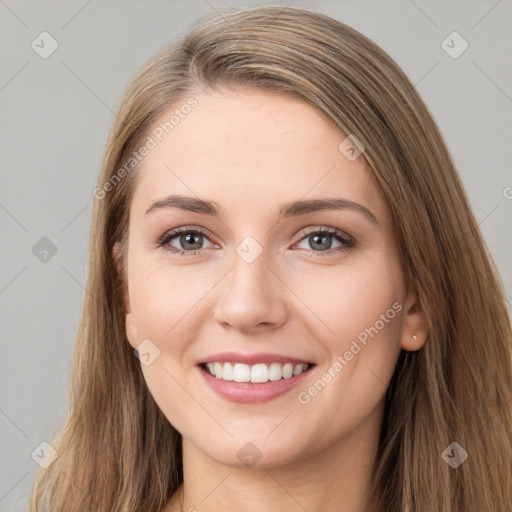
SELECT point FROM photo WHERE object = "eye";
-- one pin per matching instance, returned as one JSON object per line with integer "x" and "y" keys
{"x": 320, "y": 240}
{"x": 189, "y": 241}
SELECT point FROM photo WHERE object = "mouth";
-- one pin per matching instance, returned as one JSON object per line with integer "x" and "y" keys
{"x": 263, "y": 380}
{"x": 257, "y": 373}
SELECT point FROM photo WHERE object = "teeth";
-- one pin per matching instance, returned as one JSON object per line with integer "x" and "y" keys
{"x": 297, "y": 369}
{"x": 287, "y": 370}
{"x": 274, "y": 371}
{"x": 257, "y": 373}
{"x": 241, "y": 372}
{"x": 227, "y": 371}
{"x": 218, "y": 370}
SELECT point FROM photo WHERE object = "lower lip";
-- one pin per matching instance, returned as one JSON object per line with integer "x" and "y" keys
{"x": 249, "y": 392}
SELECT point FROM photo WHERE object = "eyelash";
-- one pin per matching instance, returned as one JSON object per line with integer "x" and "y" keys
{"x": 347, "y": 243}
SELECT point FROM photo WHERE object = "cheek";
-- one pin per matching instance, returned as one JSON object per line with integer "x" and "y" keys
{"x": 349, "y": 299}
{"x": 161, "y": 298}
{"x": 361, "y": 306}
{"x": 161, "y": 303}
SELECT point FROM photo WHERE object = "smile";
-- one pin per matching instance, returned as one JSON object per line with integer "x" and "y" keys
{"x": 254, "y": 378}
{"x": 257, "y": 373}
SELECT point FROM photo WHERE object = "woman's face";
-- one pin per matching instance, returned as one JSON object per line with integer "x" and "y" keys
{"x": 252, "y": 282}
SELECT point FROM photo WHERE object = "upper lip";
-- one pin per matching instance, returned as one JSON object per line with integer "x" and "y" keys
{"x": 251, "y": 359}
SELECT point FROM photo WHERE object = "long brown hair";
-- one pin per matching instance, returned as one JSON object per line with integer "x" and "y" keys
{"x": 118, "y": 452}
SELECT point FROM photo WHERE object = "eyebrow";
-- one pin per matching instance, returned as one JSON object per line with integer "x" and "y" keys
{"x": 293, "y": 209}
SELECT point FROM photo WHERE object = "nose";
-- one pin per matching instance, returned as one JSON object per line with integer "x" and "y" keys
{"x": 253, "y": 297}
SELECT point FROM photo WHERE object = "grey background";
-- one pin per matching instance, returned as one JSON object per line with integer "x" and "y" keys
{"x": 56, "y": 113}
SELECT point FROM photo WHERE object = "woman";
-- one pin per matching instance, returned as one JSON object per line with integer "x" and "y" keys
{"x": 290, "y": 303}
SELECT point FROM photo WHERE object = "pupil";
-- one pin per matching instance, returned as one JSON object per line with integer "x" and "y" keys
{"x": 319, "y": 239}
{"x": 189, "y": 239}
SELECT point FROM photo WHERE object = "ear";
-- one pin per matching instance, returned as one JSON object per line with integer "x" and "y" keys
{"x": 415, "y": 324}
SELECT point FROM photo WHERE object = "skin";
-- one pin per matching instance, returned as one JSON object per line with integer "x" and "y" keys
{"x": 250, "y": 152}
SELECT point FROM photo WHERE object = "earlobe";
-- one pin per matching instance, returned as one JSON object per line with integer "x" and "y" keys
{"x": 415, "y": 324}
{"x": 131, "y": 330}
{"x": 412, "y": 343}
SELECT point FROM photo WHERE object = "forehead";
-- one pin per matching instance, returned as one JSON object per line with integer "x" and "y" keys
{"x": 247, "y": 149}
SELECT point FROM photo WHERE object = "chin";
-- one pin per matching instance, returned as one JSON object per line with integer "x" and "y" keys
{"x": 254, "y": 450}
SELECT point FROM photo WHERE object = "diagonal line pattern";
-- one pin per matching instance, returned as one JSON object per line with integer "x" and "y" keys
{"x": 424, "y": 13}
{"x": 425, "y": 75}
{"x": 192, "y": 192}
{"x": 488, "y": 215}
{"x": 13, "y": 423}
{"x": 284, "y": 489}
{"x": 307, "y": 192}
{"x": 215, "y": 9}
{"x": 14, "y": 14}
{"x": 199, "y": 403}
{"x": 494, "y": 417}
{"x": 78, "y": 282}
{"x": 75, "y": 15}
{"x": 323, "y": 323}
{"x": 485, "y": 15}
{"x": 385, "y": 385}
{"x": 198, "y": 301}
{"x": 88, "y": 88}
{"x": 279, "y": 424}
{"x": 14, "y": 76}
{"x": 217, "y": 486}
{"x": 492, "y": 81}
{"x": 81, "y": 490}
{"x": 13, "y": 279}
{"x": 275, "y": 17}
{"x": 5, "y": 495}
{"x": 272, "y": 20}
{"x": 14, "y": 218}
{"x": 415, "y": 84}
{"x": 74, "y": 218}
